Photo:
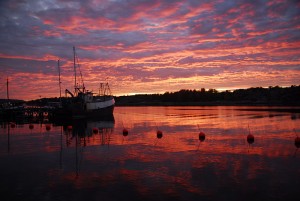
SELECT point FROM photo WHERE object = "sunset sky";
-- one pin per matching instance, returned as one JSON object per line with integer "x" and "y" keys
{"x": 148, "y": 46}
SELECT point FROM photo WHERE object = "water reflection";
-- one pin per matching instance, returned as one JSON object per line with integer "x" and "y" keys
{"x": 88, "y": 133}
{"x": 178, "y": 153}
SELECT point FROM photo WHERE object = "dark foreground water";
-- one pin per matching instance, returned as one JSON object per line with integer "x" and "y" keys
{"x": 52, "y": 162}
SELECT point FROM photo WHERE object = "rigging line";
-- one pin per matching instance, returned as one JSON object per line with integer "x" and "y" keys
{"x": 78, "y": 64}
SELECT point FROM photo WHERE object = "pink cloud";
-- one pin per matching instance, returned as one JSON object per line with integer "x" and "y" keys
{"x": 160, "y": 43}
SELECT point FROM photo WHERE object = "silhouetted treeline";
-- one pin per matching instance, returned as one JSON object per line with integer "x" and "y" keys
{"x": 252, "y": 96}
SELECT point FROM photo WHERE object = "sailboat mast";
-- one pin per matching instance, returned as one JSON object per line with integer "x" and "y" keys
{"x": 7, "y": 93}
{"x": 75, "y": 70}
{"x": 59, "y": 80}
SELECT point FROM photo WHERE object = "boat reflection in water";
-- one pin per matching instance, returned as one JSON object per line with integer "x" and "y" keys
{"x": 89, "y": 132}
{"x": 200, "y": 153}
{"x": 82, "y": 133}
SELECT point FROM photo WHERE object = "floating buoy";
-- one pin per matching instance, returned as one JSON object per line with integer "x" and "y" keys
{"x": 201, "y": 136}
{"x": 125, "y": 132}
{"x": 12, "y": 124}
{"x": 48, "y": 127}
{"x": 297, "y": 142}
{"x": 31, "y": 126}
{"x": 250, "y": 138}
{"x": 95, "y": 130}
{"x": 69, "y": 128}
{"x": 159, "y": 134}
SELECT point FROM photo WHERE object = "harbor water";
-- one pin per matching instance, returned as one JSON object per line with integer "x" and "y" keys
{"x": 162, "y": 156}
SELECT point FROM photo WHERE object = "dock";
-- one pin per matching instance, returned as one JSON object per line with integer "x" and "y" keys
{"x": 26, "y": 112}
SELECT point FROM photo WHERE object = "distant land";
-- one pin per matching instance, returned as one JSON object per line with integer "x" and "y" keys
{"x": 271, "y": 96}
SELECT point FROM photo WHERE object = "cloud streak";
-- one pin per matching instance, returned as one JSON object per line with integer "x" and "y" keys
{"x": 149, "y": 46}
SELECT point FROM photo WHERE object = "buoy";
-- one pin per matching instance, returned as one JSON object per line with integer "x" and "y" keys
{"x": 31, "y": 126}
{"x": 125, "y": 132}
{"x": 69, "y": 128}
{"x": 201, "y": 136}
{"x": 12, "y": 124}
{"x": 95, "y": 130}
{"x": 293, "y": 117}
{"x": 297, "y": 142}
{"x": 159, "y": 134}
{"x": 250, "y": 138}
{"x": 48, "y": 127}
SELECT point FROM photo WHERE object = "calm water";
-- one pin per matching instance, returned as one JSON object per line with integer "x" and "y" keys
{"x": 81, "y": 164}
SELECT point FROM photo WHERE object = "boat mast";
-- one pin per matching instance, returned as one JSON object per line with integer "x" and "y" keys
{"x": 79, "y": 87}
{"x": 75, "y": 85}
{"x": 59, "y": 80}
{"x": 7, "y": 89}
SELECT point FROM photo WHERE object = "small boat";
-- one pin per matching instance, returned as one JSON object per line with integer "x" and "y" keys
{"x": 84, "y": 103}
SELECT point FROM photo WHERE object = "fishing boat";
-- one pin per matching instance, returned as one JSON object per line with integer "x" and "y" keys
{"x": 83, "y": 103}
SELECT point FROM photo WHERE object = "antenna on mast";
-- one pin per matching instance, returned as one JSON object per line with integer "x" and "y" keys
{"x": 59, "y": 82}
{"x": 81, "y": 85}
{"x": 75, "y": 84}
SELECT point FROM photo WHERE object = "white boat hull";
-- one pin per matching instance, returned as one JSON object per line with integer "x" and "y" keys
{"x": 99, "y": 105}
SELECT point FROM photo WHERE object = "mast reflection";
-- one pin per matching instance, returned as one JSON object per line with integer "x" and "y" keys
{"x": 8, "y": 138}
{"x": 88, "y": 132}
{"x": 297, "y": 143}
{"x": 82, "y": 133}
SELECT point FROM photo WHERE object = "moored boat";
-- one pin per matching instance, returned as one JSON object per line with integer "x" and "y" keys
{"x": 84, "y": 103}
